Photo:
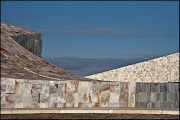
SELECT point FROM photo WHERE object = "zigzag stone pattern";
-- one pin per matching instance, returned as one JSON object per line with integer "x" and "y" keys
{"x": 27, "y": 81}
{"x": 163, "y": 69}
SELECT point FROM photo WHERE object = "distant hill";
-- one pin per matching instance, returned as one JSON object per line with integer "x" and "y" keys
{"x": 89, "y": 66}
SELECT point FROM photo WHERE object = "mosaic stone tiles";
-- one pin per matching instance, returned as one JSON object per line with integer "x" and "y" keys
{"x": 163, "y": 69}
{"x": 21, "y": 93}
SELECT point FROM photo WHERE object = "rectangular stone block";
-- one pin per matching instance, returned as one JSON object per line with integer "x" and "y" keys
{"x": 61, "y": 86}
{"x": 171, "y": 87}
{"x": 105, "y": 87}
{"x": 9, "y": 99}
{"x": 123, "y": 97}
{"x": 166, "y": 104}
{"x": 138, "y": 87}
{"x": 163, "y": 87}
{"x": 44, "y": 105}
{"x": 73, "y": 97}
{"x": 44, "y": 98}
{"x": 132, "y": 87}
{"x": 105, "y": 104}
{"x": 10, "y": 84}
{"x": 61, "y": 105}
{"x": 131, "y": 104}
{"x": 85, "y": 105}
{"x": 124, "y": 87}
{"x": 177, "y": 87}
{"x": 131, "y": 97}
{"x": 94, "y": 87}
{"x": 23, "y": 87}
{"x": 71, "y": 87}
{"x": 94, "y": 97}
{"x": 163, "y": 96}
{"x": 36, "y": 86}
{"x": 105, "y": 97}
{"x": 155, "y": 87}
{"x": 114, "y": 97}
{"x": 142, "y": 104}
{"x": 83, "y": 97}
{"x": 53, "y": 88}
{"x": 146, "y": 87}
{"x": 53, "y": 97}
{"x": 52, "y": 105}
{"x": 114, "y": 104}
{"x": 45, "y": 87}
{"x": 125, "y": 104}
{"x": 84, "y": 87}
{"x": 155, "y": 97}
{"x": 114, "y": 87}
{"x": 3, "y": 89}
{"x": 35, "y": 105}
{"x": 61, "y": 97}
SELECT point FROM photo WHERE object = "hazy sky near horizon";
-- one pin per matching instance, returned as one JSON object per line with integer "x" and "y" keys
{"x": 99, "y": 29}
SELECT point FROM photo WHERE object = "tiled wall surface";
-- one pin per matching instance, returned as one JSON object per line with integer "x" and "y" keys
{"x": 163, "y": 69}
{"x": 19, "y": 93}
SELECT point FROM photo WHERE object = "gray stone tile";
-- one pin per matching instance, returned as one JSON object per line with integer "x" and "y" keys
{"x": 114, "y": 87}
{"x": 44, "y": 98}
{"x": 10, "y": 84}
{"x": 105, "y": 104}
{"x": 114, "y": 97}
{"x": 84, "y": 87}
{"x": 44, "y": 105}
{"x": 114, "y": 104}
{"x": 53, "y": 97}
{"x": 132, "y": 87}
{"x": 163, "y": 87}
{"x": 105, "y": 87}
{"x": 155, "y": 87}
{"x": 94, "y": 87}
{"x": 124, "y": 87}
{"x": 105, "y": 97}
{"x": 71, "y": 87}
{"x": 94, "y": 97}
{"x": 9, "y": 99}
{"x": 3, "y": 89}
{"x": 83, "y": 98}
{"x": 125, "y": 104}
{"x": 53, "y": 105}
{"x": 123, "y": 98}
{"x": 171, "y": 87}
{"x": 61, "y": 98}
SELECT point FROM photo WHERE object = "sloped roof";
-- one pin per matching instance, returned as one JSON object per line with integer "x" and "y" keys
{"x": 17, "y": 62}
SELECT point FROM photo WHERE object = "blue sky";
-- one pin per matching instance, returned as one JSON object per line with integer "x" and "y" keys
{"x": 99, "y": 29}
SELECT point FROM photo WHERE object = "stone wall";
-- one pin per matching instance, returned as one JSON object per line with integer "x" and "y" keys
{"x": 163, "y": 69}
{"x": 31, "y": 42}
{"x": 21, "y": 93}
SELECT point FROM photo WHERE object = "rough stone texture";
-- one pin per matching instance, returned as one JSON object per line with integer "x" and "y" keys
{"x": 30, "y": 40}
{"x": 163, "y": 69}
{"x": 21, "y": 93}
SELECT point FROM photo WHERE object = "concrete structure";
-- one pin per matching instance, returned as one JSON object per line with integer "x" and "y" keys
{"x": 30, "y": 40}
{"x": 29, "y": 82}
